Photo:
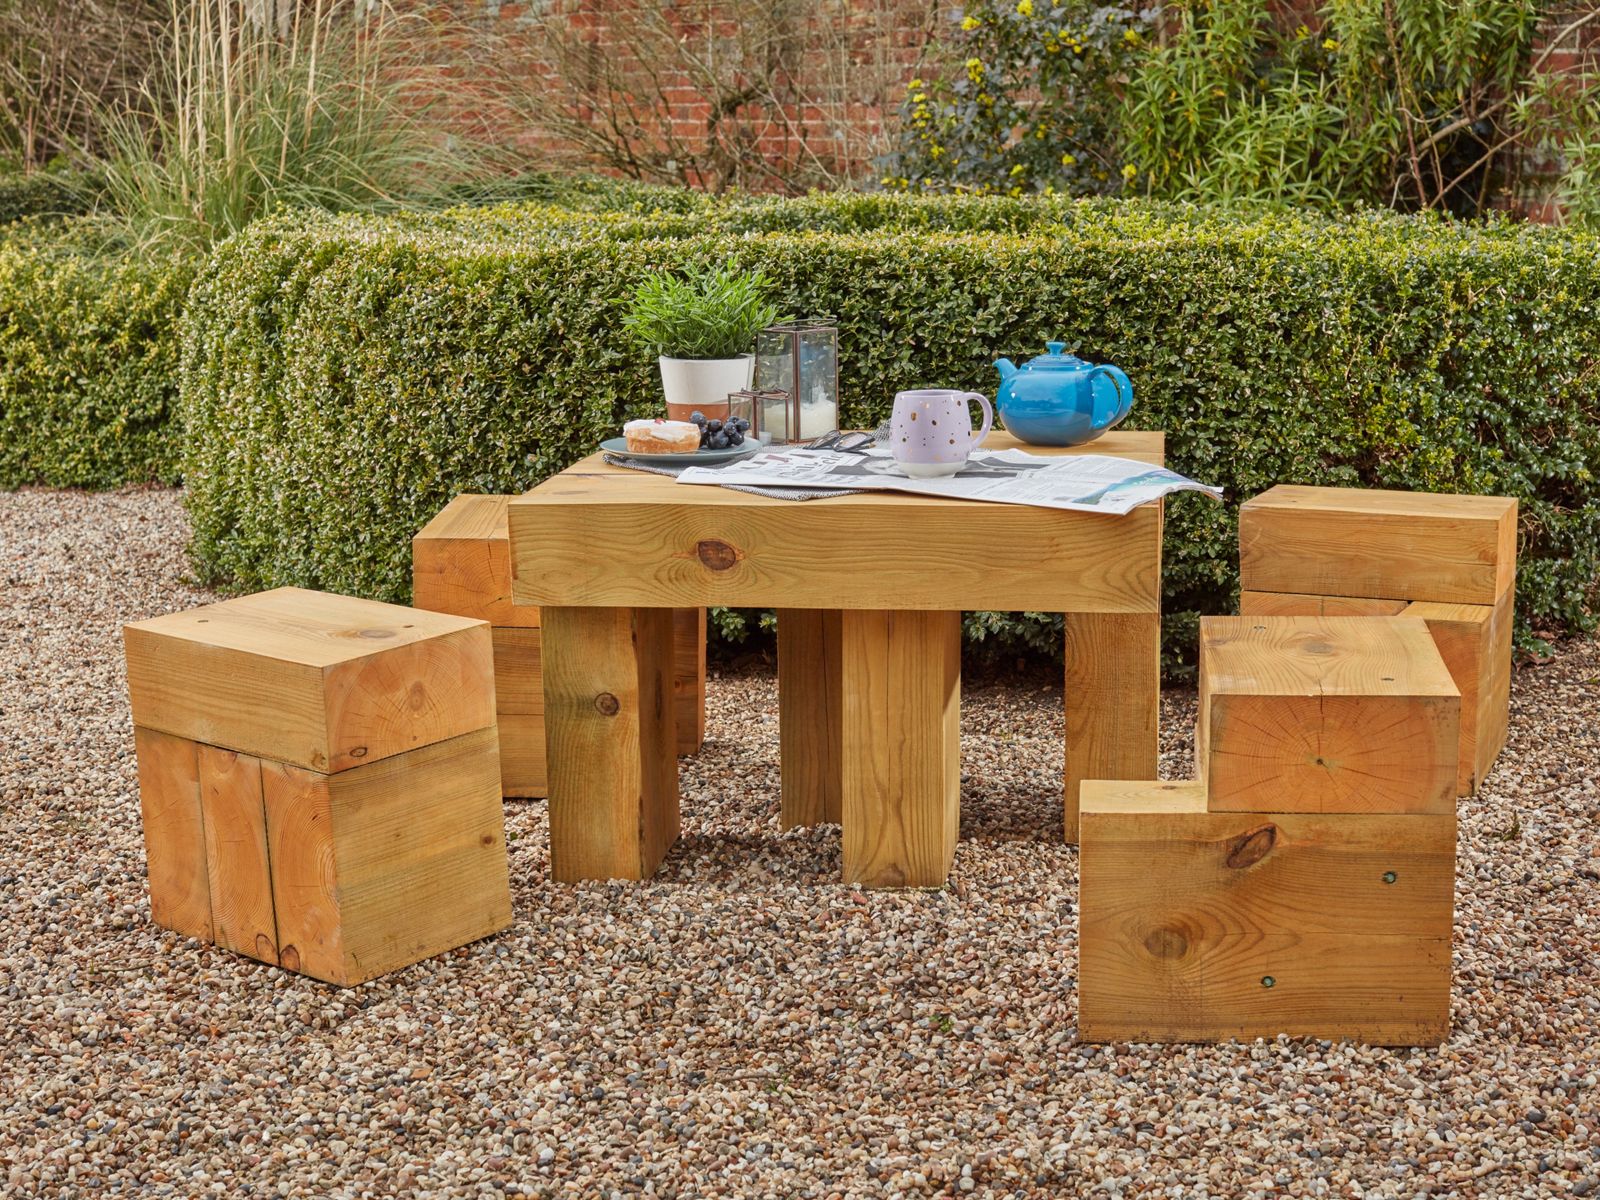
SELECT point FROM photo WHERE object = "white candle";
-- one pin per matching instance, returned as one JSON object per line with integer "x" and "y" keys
{"x": 816, "y": 419}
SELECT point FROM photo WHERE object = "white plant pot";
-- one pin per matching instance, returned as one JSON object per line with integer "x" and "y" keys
{"x": 703, "y": 383}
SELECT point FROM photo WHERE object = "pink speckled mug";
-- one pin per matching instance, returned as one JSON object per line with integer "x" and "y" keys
{"x": 930, "y": 432}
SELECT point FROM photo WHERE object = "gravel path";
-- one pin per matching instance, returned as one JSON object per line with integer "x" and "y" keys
{"x": 742, "y": 1025}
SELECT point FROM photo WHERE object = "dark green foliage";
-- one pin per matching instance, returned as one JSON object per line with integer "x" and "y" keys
{"x": 343, "y": 378}
{"x": 88, "y": 358}
{"x": 56, "y": 193}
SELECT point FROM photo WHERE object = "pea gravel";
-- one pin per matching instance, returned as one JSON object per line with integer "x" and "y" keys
{"x": 743, "y": 1024}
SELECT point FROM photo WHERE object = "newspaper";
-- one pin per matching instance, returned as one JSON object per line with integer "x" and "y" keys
{"x": 1077, "y": 483}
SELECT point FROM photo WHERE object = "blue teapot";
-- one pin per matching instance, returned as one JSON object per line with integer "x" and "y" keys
{"x": 1057, "y": 399}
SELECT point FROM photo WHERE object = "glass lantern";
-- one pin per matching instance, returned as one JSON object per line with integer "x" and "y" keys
{"x": 800, "y": 358}
{"x": 755, "y": 406}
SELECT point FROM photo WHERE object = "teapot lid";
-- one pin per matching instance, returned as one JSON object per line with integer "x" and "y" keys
{"x": 1056, "y": 360}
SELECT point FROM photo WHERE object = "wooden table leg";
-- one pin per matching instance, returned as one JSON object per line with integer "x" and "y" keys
{"x": 689, "y": 677}
{"x": 810, "y": 716}
{"x": 901, "y": 794}
{"x": 611, "y": 741}
{"x": 1113, "y": 698}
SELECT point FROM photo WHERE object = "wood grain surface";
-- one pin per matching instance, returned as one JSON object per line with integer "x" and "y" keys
{"x": 1326, "y": 714}
{"x": 689, "y": 677}
{"x": 1292, "y": 604}
{"x": 1197, "y": 925}
{"x": 901, "y": 789}
{"x": 1113, "y": 701}
{"x": 380, "y": 867}
{"x": 174, "y": 832}
{"x": 238, "y": 871}
{"x": 1475, "y": 642}
{"x": 461, "y": 563}
{"x": 603, "y": 535}
{"x": 810, "y": 716}
{"x": 1363, "y": 542}
{"x": 325, "y": 682}
{"x": 612, "y": 742}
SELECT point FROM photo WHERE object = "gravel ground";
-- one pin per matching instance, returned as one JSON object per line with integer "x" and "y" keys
{"x": 742, "y": 1025}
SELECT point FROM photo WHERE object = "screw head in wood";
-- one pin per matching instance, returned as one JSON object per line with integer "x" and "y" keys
{"x": 1268, "y": 981}
{"x": 1390, "y": 877}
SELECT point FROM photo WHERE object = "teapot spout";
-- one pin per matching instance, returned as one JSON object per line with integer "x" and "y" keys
{"x": 1006, "y": 368}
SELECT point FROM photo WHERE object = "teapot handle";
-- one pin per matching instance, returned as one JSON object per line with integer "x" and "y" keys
{"x": 988, "y": 417}
{"x": 1115, "y": 413}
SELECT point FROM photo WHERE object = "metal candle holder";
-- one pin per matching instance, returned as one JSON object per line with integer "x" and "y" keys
{"x": 800, "y": 359}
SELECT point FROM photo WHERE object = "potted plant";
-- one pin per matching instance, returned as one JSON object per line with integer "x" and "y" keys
{"x": 703, "y": 326}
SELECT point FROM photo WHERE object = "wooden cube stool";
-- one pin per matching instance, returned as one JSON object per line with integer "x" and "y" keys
{"x": 1197, "y": 925}
{"x": 319, "y": 780}
{"x": 461, "y": 564}
{"x": 1450, "y": 560}
{"x": 1325, "y": 714}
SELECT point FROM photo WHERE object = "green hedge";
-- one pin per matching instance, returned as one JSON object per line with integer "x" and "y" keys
{"x": 88, "y": 358}
{"x": 55, "y": 193}
{"x": 343, "y": 378}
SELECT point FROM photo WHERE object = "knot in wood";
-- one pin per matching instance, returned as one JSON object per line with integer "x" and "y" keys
{"x": 1166, "y": 943}
{"x": 607, "y": 705}
{"x": 716, "y": 555}
{"x": 376, "y": 633}
{"x": 1250, "y": 848}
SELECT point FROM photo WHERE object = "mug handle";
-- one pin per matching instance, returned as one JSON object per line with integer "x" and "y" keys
{"x": 1124, "y": 402}
{"x": 988, "y": 417}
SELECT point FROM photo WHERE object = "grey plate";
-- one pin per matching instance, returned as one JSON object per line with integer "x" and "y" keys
{"x": 700, "y": 458}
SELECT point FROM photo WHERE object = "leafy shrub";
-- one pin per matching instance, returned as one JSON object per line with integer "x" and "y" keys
{"x": 88, "y": 358}
{"x": 1033, "y": 105}
{"x": 344, "y": 377}
{"x": 57, "y": 193}
{"x": 1455, "y": 108}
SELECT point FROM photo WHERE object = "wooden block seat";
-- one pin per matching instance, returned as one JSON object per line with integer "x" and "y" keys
{"x": 461, "y": 564}
{"x": 319, "y": 780}
{"x": 1449, "y": 560}
{"x": 1325, "y": 714}
{"x": 1199, "y": 925}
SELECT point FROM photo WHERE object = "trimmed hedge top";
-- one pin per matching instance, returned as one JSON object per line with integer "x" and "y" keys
{"x": 345, "y": 377}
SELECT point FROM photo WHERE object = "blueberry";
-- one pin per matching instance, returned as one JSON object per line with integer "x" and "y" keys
{"x": 719, "y": 441}
{"x": 714, "y": 425}
{"x": 698, "y": 417}
{"x": 735, "y": 438}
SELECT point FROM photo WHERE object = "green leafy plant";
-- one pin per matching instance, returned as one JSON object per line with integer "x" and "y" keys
{"x": 1029, "y": 102}
{"x": 712, "y": 312}
{"x": 88, "y": 356}
{"x": 1464, "y": 108}
{"x": 58, "y": 192}
{"x": 243, "y": 115}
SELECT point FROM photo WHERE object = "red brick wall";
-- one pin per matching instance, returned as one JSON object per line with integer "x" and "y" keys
{"x": 824, "y": 76}
{"x": 835, "y": 120}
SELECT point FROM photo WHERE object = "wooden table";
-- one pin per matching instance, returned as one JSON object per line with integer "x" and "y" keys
{"x": 869, "y": 591}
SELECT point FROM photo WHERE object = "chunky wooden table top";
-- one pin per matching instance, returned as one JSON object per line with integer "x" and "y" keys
{"x": 598, "y": 535}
